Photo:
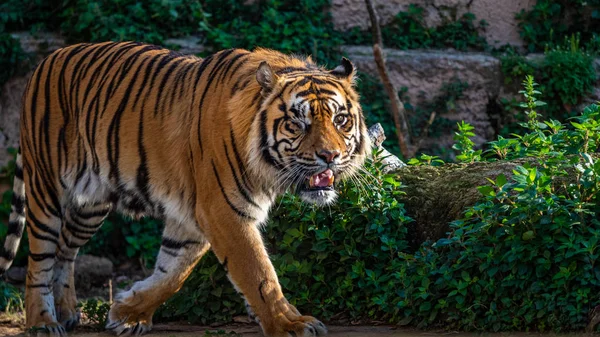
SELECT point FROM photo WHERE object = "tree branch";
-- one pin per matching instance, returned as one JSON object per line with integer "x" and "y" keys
{"x": 398, "y": 112}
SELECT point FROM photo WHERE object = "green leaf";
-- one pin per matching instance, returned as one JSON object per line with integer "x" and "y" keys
{"x": 486, "y": 190}
{"x": 529, "y": 235}
{"x": 501, "y": 180}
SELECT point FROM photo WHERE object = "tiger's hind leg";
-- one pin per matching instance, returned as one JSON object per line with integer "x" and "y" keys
{"x": 79, "y": 225}
{"x": 43, "y": 228}
{"x": 181, "y": 248}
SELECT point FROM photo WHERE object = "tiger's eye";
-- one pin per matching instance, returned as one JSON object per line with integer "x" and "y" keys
{"x": 340, "y": 120}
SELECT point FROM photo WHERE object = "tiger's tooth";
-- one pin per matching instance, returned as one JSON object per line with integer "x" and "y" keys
{"x": 311, "y": 182}
{"x": 331, "y": 180}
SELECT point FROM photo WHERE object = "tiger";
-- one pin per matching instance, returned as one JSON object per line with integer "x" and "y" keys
{"x": 204, "y": 144}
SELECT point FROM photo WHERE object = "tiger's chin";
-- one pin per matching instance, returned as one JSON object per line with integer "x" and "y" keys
{"x": 319, "y": 189}
{"x": 319, "y": 197}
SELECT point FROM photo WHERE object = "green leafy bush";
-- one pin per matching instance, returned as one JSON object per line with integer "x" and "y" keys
{"x": 524, "y": 257}
{"x": 290, "y": 26}
{"x": 566, "y": 75}
{"x": 149, "y": 21}
{"x": 12, "y": 57}
{"x": 408, "y": 31}
{"x": 120, "y": 238}
{"x": 549, "y": 22}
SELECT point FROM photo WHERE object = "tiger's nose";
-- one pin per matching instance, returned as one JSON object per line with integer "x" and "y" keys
{"x": 328, "y": 156}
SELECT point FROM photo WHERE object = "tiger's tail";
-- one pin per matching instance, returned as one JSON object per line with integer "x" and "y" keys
{"x": 16, "y": 221}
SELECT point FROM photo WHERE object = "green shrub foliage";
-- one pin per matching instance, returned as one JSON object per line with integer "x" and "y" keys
{"x": 408, "y": 30}
{"x": 566, "y": 75}
{"x": 549, "y": 22}
{"x": 525, "y": 256}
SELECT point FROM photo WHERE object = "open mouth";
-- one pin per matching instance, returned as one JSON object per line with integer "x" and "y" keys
{"x": 320, "y": 181}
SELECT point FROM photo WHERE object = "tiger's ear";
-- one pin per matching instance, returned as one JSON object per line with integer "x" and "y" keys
{"x": 345, "y": 70}
{"x": 266, "y": 77}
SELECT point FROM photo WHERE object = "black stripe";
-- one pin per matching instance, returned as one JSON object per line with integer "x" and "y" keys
{"x": 39, "y": 285}
{"x": 288, "y": 70}
{"x": 231, "y": 205}
{"x": 35, "y": 194}
{"x": 238, "y": 158}
{"x": 233, "y": 72}
{"x": 93, "y": 226}
{"x": 327, "y": 92}
{"x": 42, "y": 237}
{"x": 161, "y": 269}
{"x": 231, "y": 63}
{"x": 18, "y": 172}
{"x": 7, "y": 254}
{"x": 264, "y": 143}
{"x": 41, "y": 257}
{"x": 18, "y": 202}
{"x": 174, "y": 244}
{"x": 41, "y": 226}
{"x": 160, "y": 103}
{"x": 241, "y": 189}
{"x": 169, "y": 252}
{"x": 74, "y": 230}
{"x": 15, "y": 228}
{"x": 211, "y": 76}
{"x": 93, "y": 214}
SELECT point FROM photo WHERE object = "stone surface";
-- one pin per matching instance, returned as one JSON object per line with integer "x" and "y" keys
{"x": 10, "y": 110}
{"x": 500, "y": 15}
{"x": 92, "y": 271}
{"x": 424, "y": 73}
{"x": 38, "y": 46}
{"x": 16, "y": 274}
{"x": 186, "y": 45}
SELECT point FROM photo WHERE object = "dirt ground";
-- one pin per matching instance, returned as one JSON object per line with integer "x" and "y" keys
{"x": 248, "y": 330}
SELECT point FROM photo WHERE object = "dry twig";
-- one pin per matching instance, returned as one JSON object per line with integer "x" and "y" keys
{"x": 398, "y": 112}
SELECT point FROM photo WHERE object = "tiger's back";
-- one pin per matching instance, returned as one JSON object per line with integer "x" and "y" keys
{"x": 205, "y": 145}
{"x": 96, "y": 111}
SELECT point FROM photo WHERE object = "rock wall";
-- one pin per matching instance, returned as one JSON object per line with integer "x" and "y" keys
{"x": 11, "y": 93}
{"x": 424, "y": 73}
{"x": 500, "y": 15}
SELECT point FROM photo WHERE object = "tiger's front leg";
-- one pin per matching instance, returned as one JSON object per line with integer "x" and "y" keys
{"x": 241, "y": 250}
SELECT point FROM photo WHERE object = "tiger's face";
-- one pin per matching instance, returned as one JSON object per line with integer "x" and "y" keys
{"x": 312, "y": 132}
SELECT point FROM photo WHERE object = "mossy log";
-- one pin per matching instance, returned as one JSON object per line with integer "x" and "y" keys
{"x": 438, "y": 195}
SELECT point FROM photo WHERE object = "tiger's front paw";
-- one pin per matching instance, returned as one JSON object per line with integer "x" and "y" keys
{"x": 53, "y": 329}
{"x": 300, "y": 326}
{"x": 127, "y": 321}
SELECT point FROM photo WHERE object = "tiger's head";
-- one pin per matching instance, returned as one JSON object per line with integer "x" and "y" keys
{"x": 310, "y": 132}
